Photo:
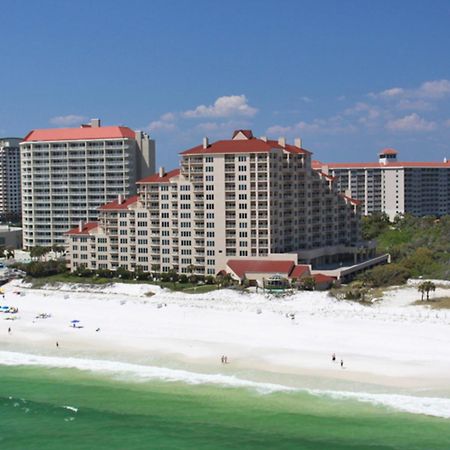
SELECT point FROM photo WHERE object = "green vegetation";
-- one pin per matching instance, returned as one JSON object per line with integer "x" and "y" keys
{"x": 419, "y": 247}
{"x": 435, "y": 303}
{"x": 425, "y": 288}
{"x": 356, "y": 291}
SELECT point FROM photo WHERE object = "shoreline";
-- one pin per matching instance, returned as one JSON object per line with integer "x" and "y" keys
{"x": 388, "y": 348}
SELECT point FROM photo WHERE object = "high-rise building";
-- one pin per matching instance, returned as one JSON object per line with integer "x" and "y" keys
{"x": 67, "y": 173}
{"x": 238, "y": 198}
{"x": 10, "y": 196}
{"x": 392, "y": 186}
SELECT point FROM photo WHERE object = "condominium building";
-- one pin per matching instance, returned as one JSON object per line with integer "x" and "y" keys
{"x": 394, "y": 187}
{"x": 67, "y": 173}
{"x": 238, "y": 198}
{"x": 10, "y": 196}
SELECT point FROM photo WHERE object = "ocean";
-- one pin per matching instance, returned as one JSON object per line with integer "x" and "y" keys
{"x": 68, "y": 408}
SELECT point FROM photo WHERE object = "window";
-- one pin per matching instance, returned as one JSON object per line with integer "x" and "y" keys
{"x": 242, "y": 158}
{"x": 210, "y": 252}
{"x": 209, "y": 196}
{"x": 210, "y": 215}
{"x": 242, "y": 177}
{"x": 210, "y": 234}
{"x": 209, "y": 187}
{"x": 209, "y": 169}
{"x": 209, "y": 177}
{"x": 209, "y": 159}
{"x": 210, "y": 262}
{"x": 242, "y": 187}
{"x": 185, "y": 187}
{"x": 242, "y": 168}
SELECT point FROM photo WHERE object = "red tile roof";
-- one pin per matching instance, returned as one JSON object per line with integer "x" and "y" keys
{"x": 87, "y": 227}
{"x": 388, "y": 151}
{"x": 252, "y": 145}
{"x": 299, "y": 271}
{"x": 155, "y": 178}
{"x": 242, "y": 266}
{"x": 377, "y": 165}
{"x": 82, "y": 133}
{"x": 353, "y": 201}
{"x": 115, "y": 205}
{"x": 247, "y": 133}
{"x": 322, "y": 278}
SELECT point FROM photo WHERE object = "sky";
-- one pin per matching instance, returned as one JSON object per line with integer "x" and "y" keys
{"x": 348, "y": 77}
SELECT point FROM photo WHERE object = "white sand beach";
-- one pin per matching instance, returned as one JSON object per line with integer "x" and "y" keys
{"x": 390, "y": 346}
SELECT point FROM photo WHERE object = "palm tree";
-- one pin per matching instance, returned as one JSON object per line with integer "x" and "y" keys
{"x": 426, "y": 287}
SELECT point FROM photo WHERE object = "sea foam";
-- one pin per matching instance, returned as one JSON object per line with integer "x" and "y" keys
{"x": 432, "y": 406}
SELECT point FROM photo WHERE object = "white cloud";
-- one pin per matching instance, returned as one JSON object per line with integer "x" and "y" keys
{"x": 160, "y": 125}
{"x": 164, "y": 123}
{"x": 434, "y": 89}
{"x": 69, "y": 120}
{"x": 332, "y": 125}
{"x": 226, "y": 106}
{"x": 413, "y": 122}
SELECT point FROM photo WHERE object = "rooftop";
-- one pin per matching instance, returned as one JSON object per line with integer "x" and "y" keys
{"x": 85, "y": 229}
{"x": 243, "y": 141}
{"x": 84, "y": 132}
{"x": 119, "y": 204}
{"x": 156, "y": 178}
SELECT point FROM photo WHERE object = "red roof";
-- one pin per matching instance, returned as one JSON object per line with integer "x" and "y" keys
{"x": 82, "y": 133}
{"x": 87, "y": 227}
{"x": 396, "y": 164}
{"x": 242, "y": 266}
{"x": 116, "y": 205}
{"x": 322, "y": 278}
{"x": 247, "y": 133}
{"x": 354, "y": 201}
{"x": 388, "y": 151}
{"x": 299, "y": 270}
{"x": 155, "y": 178}
{"x": 252, "y": 145}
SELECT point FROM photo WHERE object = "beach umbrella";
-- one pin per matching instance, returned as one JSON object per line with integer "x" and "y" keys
{"x": 74, "y": 321}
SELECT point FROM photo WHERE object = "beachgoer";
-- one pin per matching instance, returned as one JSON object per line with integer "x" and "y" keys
{"x": 98, "y": 329}
{"x": 225, "y": 359}
{"x": 333, "y": 357}
{"x": 342, "y": 363}
{"x": 9, "y": 330}
{"x": 57, "y": 344}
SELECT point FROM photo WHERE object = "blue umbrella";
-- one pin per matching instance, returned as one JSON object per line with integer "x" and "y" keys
{"x": 74, "y": 321}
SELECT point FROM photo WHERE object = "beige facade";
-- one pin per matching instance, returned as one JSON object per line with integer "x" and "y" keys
{"x": 68, "y": 173}
{"x": 237, "y": 198}
{"x": 393, "y": 187}
{"x": 10, "y": 193}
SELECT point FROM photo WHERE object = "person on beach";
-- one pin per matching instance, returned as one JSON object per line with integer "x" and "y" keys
{"x": 57, "y": 344}
{"x": 222, "y": 359}
{"x": 342, "y": 363}
{"x": 9, "y": 330}
{"x": 333, "y": 357}
{"x": 225, "y": 359}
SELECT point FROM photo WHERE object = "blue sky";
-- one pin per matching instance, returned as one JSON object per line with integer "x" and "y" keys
{"x": 348, "y": 77}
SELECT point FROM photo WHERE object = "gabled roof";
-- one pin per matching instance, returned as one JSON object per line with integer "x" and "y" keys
{"x": 86, "y": 228}
{"x": 115, "y": 205}
{"x": 247, "y": 133}
{"x": 299, "y": 271}
{"x": 388, "y": 151}
{"x": 242, "y": 266}
{"x": 155, "y": 178}
{"x": 249, "y": 145}
{"x": 82, "y": 133}
{"x": 322, "y": 278}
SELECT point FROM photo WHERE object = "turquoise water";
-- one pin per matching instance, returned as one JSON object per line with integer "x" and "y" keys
{"x": 114, "y": 414}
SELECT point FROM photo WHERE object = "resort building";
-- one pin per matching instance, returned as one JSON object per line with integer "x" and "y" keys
{"x": 67, "y": 173}
{"x": 238, "y": 198}
{"x": 392, "y": 186}
{"x": 10, "y": 196}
